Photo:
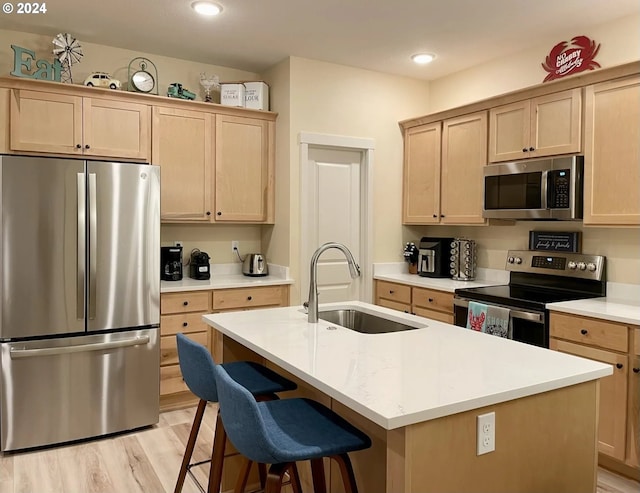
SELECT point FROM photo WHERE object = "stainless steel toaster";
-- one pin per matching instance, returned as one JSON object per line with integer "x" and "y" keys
{"x": 255, "y": 265}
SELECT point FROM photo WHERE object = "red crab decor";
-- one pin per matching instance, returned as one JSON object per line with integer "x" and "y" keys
{"x": 570, "y": 58}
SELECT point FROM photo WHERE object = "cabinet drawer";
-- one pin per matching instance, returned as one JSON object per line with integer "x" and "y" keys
{"x": 184, "y": 322}
{"x": 394, "y": 292}
{"x": 225, "y": 299}
{"x": 598, "y": 333}
{"x": 433, "y": 300}
{"x": 190, "y": 301}
{"x": 394, "y": 305}
{"x": 171, "y": 380}
{"x": 433, "y": 315}
{"x": 169, "y": 346}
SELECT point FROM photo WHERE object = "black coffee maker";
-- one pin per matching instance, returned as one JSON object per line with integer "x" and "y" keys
{"x": 171, "y": 263}
{"x": 433, "y": 257}
{"x": 199, "y": 265}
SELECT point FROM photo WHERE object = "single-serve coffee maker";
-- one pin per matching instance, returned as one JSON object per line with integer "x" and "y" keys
{"x": 171, "y": 263}
{"x": 433, "y": 257}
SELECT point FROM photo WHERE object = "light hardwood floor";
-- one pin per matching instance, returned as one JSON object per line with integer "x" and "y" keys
{"x": 145, "y": 461}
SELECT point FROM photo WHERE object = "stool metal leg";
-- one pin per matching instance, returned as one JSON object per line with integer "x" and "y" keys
{"x": 346, "y": 471}
{"x": 217, "y": 456}
{"x": 317, "y": 472}
{"x": 274, "y": 477}
{"x": 191, "y": 443}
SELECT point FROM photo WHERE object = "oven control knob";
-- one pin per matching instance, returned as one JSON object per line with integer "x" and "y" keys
{"x": 572, "y": 265}
{"x": 511, "y": 260}
{"x": 582, "y": 265}
{"x": 518, "y": 260}
{"x": 591, "y": 266}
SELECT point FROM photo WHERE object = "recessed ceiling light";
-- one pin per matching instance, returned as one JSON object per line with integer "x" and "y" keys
{"x": 206, "y": 8}
{"x": 423, "y": 58}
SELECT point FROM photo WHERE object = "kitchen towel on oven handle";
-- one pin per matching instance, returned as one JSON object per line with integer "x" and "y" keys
{"x": 498, "y": 322}
{"x": 477, "y": 316}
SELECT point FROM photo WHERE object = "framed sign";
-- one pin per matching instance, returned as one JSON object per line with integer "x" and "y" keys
{"x": 552, "y": 241}
{"x": 571, "y": 57}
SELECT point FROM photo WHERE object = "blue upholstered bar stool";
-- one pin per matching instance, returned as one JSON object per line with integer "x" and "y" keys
{"x": 282, "y": 432}
{"x": 197, "y": 368}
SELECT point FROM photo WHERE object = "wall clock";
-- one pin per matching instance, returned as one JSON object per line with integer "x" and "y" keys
{"x": 143, "y": 76}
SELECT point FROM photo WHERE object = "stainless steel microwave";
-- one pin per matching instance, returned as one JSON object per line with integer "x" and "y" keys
{"x": 538, "y": 189}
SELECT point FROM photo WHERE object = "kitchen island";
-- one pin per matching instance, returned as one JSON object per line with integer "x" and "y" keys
{"x": 418, "y": 393}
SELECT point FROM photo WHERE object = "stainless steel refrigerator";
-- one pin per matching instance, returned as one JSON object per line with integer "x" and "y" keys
{"x": 79, "y": 299}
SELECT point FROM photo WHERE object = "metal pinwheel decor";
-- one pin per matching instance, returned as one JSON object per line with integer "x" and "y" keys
{"x": 68, "y": 51}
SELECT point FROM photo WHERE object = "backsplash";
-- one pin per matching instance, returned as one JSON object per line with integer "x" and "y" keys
{"x": 214, "y": 239}
{"x": 621, "y": 246}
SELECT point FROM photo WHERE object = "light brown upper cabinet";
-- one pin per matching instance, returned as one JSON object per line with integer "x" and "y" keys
{"x": 182, "y": 146}
{"x": 612, "y": 153}
{"x": 464, "y": 155}
{"x": 543, "y": 126}
{"x": 421, "y": 187}
{"x": 443, "y": 164}
{"x": 5, "y": 134}
{"x": 244, "y": 169}
{"x": 56, "y": 123}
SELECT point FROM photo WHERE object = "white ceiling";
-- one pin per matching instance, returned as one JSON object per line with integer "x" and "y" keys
{"x": 253, "y": 35}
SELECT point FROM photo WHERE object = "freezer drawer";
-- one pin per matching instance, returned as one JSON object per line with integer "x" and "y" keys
{"x": 58, "y": 390}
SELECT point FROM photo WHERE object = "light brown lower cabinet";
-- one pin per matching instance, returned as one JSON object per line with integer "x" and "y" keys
{"x": 182, "y": 312}
{"x": 615, "y": 344}
{"x": 428, "y": 303}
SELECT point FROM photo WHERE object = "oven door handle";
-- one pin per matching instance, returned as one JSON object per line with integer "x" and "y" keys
{"x": 530, "y": 316}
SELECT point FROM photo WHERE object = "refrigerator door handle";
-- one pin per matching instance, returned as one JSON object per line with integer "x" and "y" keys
{"x": 81, "y": 232}
{"x": 80, "y": 348}
{"x": 93, "y": 245}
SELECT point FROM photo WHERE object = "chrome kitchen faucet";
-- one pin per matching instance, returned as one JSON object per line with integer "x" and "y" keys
{"x": 354, "y": 269}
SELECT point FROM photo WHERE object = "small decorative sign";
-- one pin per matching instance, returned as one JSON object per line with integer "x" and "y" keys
{"x": 552, "y": 241}
{"x": 568, "y": 58}
{"x": 44, "y": 69}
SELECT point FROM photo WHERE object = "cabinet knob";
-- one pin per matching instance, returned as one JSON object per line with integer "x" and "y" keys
{"x": 208, "y": 213}
{"x": 249, "y": 298}
{"x": 430, "y": 300}
{"x": 435, "y": 215}
{"x": 584, "y": 332}
{"x": 524, "y": 149}
{"x": 532, "y": 149}
{"x": 185, "y": 303}
{"x": 219, "y": 213}
{"x": 78, "y": 146}
{"x": 441, "y": 215}
{"x": 185, "y": 324}
{"x": 87, "y": 146}
{"x": 619, "y": 366}
{"x": 636, "y": 370}
{"x": 391, "y": 291}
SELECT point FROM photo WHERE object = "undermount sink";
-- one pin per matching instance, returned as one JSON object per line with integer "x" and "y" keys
{"x": 364, "y": 322}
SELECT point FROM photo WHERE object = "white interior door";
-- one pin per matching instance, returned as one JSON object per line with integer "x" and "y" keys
{"x": 334, "y": 215}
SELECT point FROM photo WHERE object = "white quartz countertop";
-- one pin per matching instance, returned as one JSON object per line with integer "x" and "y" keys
{"x": 401, "y": 378}
{"x": 441, "y": 284}
{"x": 615, "y": 310}
{"x": 228, "y": 276}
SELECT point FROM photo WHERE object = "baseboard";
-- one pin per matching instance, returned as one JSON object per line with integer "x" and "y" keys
{"x": 618, "y": 467}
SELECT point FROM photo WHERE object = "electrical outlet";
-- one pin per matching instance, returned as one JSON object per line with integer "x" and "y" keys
{"x": 234, "y": 246}
{"x": 486, "y": 430}
{"x": 178, "y": 243}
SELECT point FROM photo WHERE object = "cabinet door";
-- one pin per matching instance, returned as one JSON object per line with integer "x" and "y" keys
{"x": 613, "y": 396}
{"x": 116, "y": 129}
{"x": 421, "y": 187}
{"x": 464, "y": 155}
{"x": 46, "y": 122}
{"x": 633, "y": 435}
{"x": 509, "y": 132}
{"x": 612, "y": 153}
{"x": 244, "y": 169}
{"x": 5, "y": 136}
{"x": 181, "y": 145}
{"x": 556, "y": 123}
